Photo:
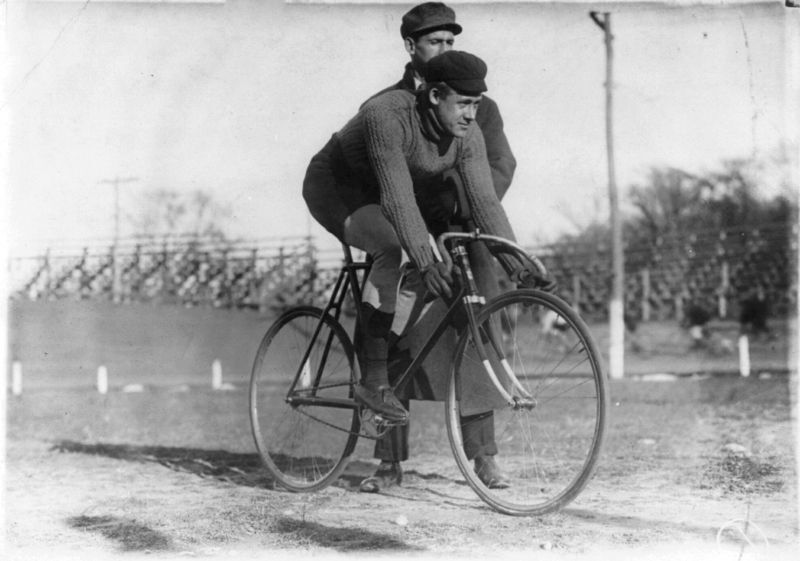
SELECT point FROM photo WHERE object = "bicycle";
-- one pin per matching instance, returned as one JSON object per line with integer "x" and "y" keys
{"x": 549, "y": 400}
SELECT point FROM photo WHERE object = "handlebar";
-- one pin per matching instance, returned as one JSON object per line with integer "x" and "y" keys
{"x": 476, "y": 235}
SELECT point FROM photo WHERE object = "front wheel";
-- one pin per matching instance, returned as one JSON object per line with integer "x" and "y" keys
{"x": 304, "y": 420}
{"x": 548, "y": 445}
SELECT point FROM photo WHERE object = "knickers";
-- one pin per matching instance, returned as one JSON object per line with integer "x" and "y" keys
{"x": 369, "y": 230}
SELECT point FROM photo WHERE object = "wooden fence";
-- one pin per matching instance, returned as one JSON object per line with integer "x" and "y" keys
{"x": 712, "y": 269}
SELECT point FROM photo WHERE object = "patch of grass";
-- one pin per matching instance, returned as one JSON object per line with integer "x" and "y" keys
{"x": 743, "y": 475}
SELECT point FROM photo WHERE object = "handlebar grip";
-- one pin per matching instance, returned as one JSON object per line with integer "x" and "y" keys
{"x": 513, "y": 247}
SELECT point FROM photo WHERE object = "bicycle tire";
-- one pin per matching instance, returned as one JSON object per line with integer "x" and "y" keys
{"x": 304, "y": 447}
{"x": 550, "y": 451}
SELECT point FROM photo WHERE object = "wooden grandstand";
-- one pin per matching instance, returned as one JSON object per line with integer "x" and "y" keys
{"x": 714, "y": 269}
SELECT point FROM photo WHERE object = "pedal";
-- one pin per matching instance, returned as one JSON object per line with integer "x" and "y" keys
{"x": 374, "y": 425}
{"x": 369, "y": 423}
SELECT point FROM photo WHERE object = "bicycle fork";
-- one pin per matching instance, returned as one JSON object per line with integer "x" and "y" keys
{"x": 472, "y": 303}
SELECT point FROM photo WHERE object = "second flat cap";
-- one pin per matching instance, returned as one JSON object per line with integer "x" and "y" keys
{"x": 429, "y": 16}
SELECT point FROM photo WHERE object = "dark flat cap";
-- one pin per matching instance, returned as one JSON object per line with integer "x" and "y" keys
{"x": 461, "y": 71}
{"x": 429, "y": 17}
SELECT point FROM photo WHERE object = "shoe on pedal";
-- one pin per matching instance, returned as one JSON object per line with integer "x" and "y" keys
{"x": 388, "y": 474}
{"x": 383, "y": 401}
{"x": 490, "y": 474}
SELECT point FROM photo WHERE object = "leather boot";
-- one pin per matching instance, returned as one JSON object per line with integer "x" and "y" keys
{"x": 490, "y": 474}
{"x": 383, "y": 401}
{"x": 388, "y": 474}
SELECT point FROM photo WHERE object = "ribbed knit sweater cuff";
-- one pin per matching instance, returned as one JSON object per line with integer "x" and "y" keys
{"x": 421, "y": 256}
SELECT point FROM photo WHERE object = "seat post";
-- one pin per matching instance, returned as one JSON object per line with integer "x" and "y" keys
{"x": 348, "y": 254}
{"x": 352, "y": 268}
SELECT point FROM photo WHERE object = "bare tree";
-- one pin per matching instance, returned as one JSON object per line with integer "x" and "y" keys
{"x": 192, "y": 216}
{"x": 667, "y": 202}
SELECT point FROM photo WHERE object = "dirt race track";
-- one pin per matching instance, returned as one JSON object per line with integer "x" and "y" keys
{"x": 691, "y": 467}
{"x": 694, "y": 467}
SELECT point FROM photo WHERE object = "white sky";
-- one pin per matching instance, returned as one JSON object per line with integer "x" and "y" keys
{"x": 235, "y": 98}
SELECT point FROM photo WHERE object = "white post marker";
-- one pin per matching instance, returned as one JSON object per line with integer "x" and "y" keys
{"x": 16, "y": 378}
{"x": 744, "y": 356}
{"x": 216, "y": 375}
{"x": 102, "y": 380}
{"x": 616, "y": 353}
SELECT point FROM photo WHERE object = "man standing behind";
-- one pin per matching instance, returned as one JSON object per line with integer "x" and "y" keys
{"x": 429, "y": 30}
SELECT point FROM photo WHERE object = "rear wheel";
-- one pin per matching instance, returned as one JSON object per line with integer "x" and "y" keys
{"x": 549, "y": 444}
{"x": 302, "y": 414}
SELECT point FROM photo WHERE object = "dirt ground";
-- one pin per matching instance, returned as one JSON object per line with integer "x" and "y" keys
{"x": 696, "y": 468}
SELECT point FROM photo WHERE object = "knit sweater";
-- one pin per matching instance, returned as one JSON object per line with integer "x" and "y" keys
{"x": 498, "y": 151}
{"x": 395, "y": 142}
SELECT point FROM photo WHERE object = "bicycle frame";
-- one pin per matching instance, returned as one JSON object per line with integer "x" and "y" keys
{"x": 347, "y": 280}
{"x": 467, "y": 297}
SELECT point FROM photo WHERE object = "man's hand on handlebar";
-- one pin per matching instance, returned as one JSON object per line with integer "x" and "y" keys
{"x": 438, "y": 280}
{"x": 526, "y": 278}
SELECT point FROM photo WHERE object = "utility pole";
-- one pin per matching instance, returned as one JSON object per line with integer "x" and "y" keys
{"x": 115, "y": 268}
{"x": 616, "y": 305}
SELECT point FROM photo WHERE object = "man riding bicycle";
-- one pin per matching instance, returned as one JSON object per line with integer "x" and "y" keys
{"x": 428, "y": 30}
{"x": 360, "y": 187}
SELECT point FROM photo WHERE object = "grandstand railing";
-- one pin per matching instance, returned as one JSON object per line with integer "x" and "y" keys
{"x": 712, "y": 269}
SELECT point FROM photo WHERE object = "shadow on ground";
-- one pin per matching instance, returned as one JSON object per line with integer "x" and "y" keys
{"x": 131, "y": 535}
{"x": 237, "y": 468}
{"x": 241, "y": 469}
{"x": 341, "y": 539}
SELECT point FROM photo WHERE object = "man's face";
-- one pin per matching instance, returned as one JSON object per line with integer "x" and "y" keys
{"x": 455, "y": 112}
{"x": 428, "y": 46}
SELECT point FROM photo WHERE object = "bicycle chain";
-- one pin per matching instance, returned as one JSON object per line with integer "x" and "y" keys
{"x": 379, "y": 434}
